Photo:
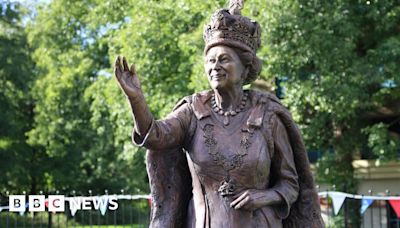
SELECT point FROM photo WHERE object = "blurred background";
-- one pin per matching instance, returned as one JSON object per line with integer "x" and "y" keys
{"x": 65, "y": 126}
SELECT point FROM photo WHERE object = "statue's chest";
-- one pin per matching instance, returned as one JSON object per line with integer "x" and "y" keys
{"x": 235, "y": 151}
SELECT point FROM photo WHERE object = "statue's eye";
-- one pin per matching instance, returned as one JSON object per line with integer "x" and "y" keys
{"x": 211, "y": 60}
{"x": 224, "y": 60}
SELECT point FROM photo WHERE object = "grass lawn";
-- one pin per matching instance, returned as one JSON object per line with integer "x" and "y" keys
{"x": 117, "y": 226}
{"x": 11, "y": 220}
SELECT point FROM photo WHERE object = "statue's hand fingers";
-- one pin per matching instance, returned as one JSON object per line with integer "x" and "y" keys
{"x": 125, "y": 63}
{"x": 135, "y": 77}
{"x": 117, "y": 68}
{"x": 238, "y": 198}
{"x": 133, "y": 70}
{"x": 243, "y": 203}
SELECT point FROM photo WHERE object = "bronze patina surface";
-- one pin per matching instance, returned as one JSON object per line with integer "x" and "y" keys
{"x": 225, "y": 157}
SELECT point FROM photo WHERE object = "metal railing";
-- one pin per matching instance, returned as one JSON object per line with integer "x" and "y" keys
{"x": 378, "y": 213}
{"x": 133, "y": 211}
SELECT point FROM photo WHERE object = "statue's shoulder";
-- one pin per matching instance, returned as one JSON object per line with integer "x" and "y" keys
{"x": 268, "y": 99}
{"x": 269, "y": 108}
{"x": 197, "y": 102}
{"x": 202, "y": 96}
{"x": 184, "y": 100}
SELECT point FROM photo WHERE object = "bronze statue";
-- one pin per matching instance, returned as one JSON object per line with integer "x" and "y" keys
{"x": 226, "y": 157}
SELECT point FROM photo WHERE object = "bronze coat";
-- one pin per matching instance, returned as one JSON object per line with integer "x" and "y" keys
{"x": 185, "y": 186}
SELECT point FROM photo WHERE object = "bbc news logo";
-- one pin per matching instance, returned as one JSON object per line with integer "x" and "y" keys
{"x": 56, "y": 203}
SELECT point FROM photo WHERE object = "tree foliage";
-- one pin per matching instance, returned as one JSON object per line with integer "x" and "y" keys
{"x": 16, "y": 115}
{"x": 338, "y": 58}
{"x": 81, "y": 123}
{"x": 67, "y": 126}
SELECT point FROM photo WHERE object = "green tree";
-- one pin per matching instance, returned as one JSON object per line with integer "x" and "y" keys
{"x": 70, "y": 54}
{"x": 340, "y": 60}
{"x": 17, "y": 158}
{"x": 82, "y": 121}
{"x": 164, "y": 41}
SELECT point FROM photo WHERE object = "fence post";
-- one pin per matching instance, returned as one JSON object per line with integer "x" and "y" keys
{"x": 106, "y": 215}
{"x": 371, "y": 208}
{"x": 346, "y": 209}
{"x": 115, "y": 214}
{"x": 90, "y": 214}
{"x": 327, "y": 207}
{"x": 26, "y": 212}
{"x": 380, "y": 213}
{"x": 58, "y": 214}
{"x": 123, "y": 209}
{"x": 8, "y": 214}
{"x": 363, "y": 215}
{"x": 388, "y": 209}
{"x": 131, "y": 213}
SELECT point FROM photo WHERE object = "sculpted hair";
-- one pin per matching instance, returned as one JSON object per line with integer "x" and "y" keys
{"x": 251, "y": 61}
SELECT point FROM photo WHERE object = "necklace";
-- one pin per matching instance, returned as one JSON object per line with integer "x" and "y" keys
{"x": 226, "y": 114}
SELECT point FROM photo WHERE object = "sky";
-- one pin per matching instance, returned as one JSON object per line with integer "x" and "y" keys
{"x": 28, "y": 2}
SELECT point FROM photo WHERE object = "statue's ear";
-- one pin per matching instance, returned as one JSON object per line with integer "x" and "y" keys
{"x": 245, "y": 73}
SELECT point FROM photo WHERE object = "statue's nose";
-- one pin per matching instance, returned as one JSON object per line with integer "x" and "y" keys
{"x": 216, "y": 66}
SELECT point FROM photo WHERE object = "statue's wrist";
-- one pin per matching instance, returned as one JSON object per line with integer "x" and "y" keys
{"x": 135, "y": 100}
{"x": 271, "y": 197}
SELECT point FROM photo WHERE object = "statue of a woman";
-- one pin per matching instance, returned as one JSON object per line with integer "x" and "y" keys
{"x": 226, "y": 157}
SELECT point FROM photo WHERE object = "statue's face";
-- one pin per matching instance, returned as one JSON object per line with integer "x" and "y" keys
{"x": 224, "y": 68}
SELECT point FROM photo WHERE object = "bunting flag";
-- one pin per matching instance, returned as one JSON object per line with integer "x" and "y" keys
{"x": 396, "y": 206}
{"x": 365, "y": 203}
{"x": 103, "y": 204}
{"x": 21, "y": 213}
{"x": 394, "y": 201}
{"x": 337, "y": 199}
{"x": 73, "y": 211}
{"x": 360, "y": 197}
{"x": 74, "y": 204}
{"x": 132, "y": 197}
{"x": 4, "y": 208}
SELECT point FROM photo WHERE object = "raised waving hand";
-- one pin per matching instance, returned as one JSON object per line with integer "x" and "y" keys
{"x": 127, "y": 79}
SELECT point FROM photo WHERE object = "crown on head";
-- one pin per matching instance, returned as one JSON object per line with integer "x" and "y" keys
{"x": 228, "y": 27}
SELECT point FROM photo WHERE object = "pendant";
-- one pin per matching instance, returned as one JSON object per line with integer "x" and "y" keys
{"x": 227, "y": 187}
{"x": 226, "y": 120}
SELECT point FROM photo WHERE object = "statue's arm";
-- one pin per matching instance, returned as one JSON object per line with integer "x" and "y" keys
{"x": 283, "y": 169}
{"x": 141, "y": 115}
{"x": 129, "y": 83}
{"x": 168, "y": 133}
{"x": 152, "y": 134}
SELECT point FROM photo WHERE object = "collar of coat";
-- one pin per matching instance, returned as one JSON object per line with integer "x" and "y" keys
{"x": 259, "y": 100}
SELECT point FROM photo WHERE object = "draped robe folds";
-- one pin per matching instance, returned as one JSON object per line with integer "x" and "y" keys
{"x": 184, "y": 178}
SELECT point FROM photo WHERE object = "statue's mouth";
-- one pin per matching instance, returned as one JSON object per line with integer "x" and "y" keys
{"x": 218, "y": 77}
